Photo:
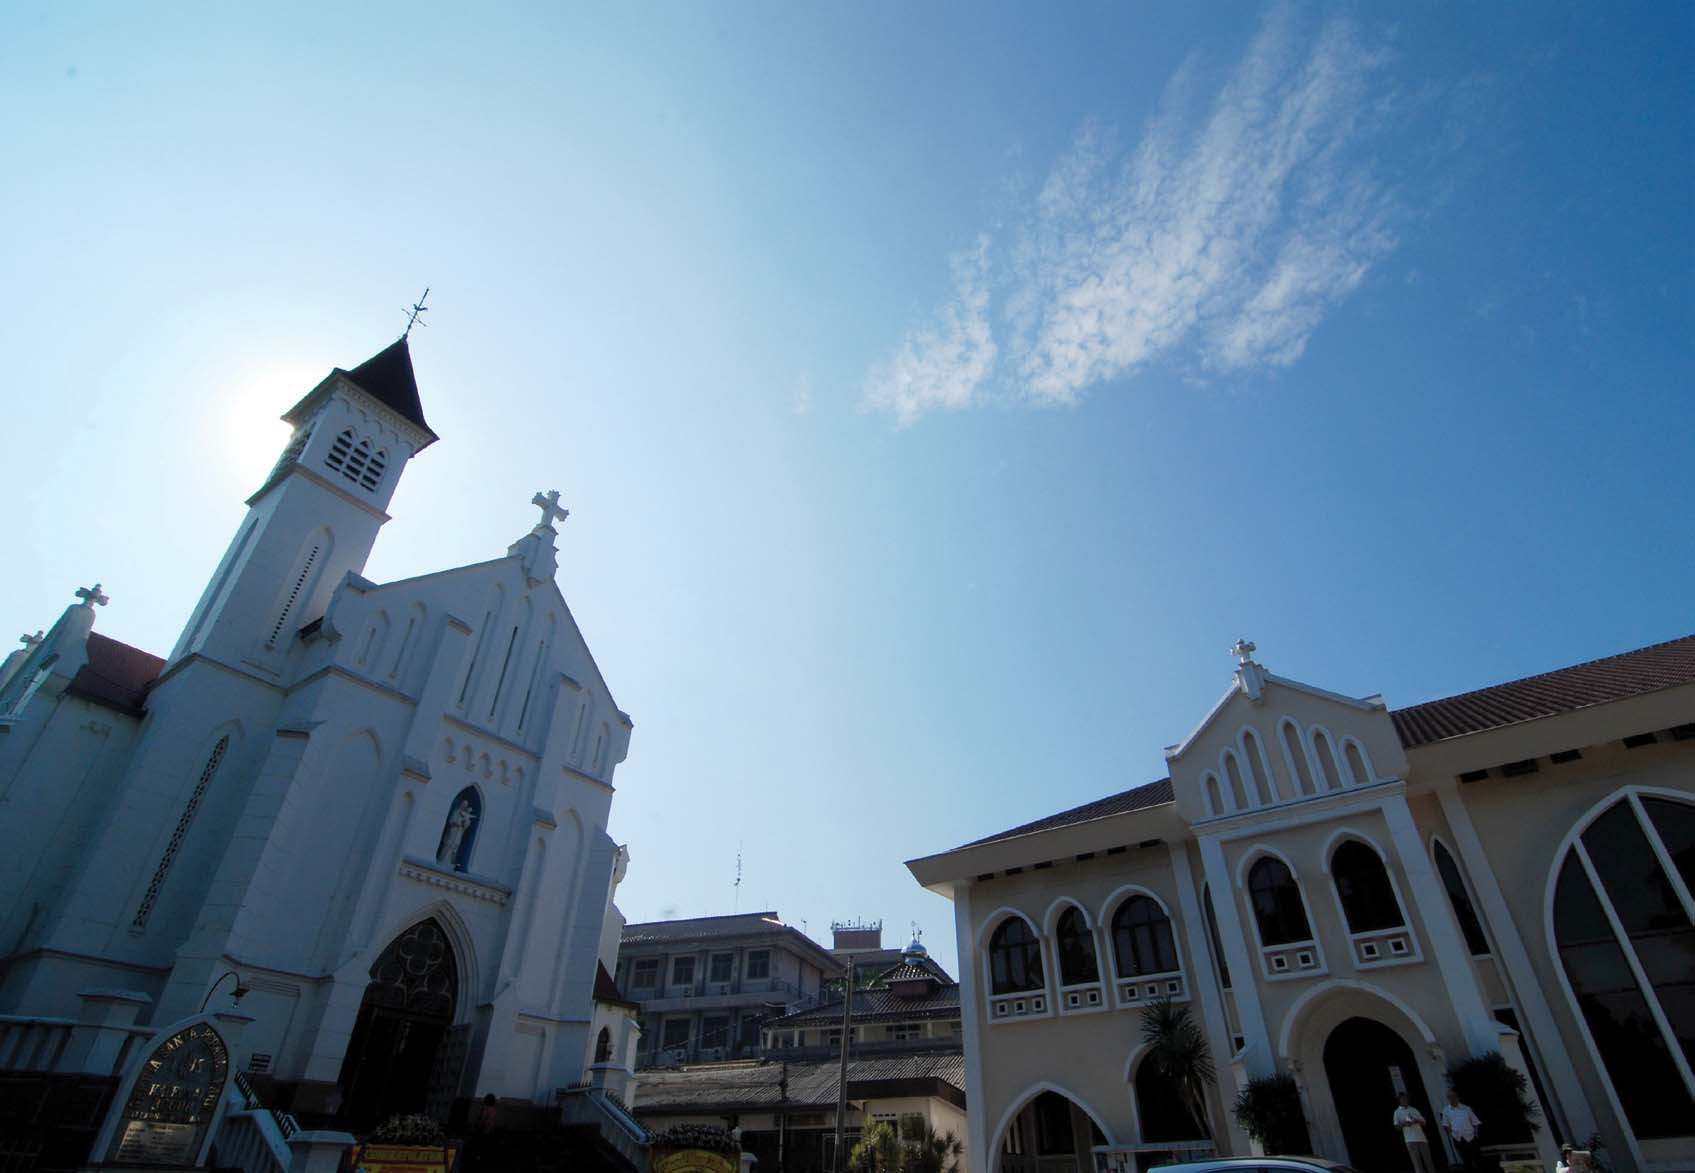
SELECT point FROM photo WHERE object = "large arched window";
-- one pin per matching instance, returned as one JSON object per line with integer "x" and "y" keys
{"x": 1461, "y": 900}
{"x": 1362, "y": 882}
{"x": 1278, "y": 911}
{"x": 1624, "y": 925}
{"x": 1076, "y": 949}
{"x": 1015, "y": 958}
{"x": 1141, "y": 938}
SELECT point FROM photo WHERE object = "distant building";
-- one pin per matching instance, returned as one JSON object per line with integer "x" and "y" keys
{"x": 706, "y": 985}
{"x": 860, "y": 942}
{"x": 906, "y": 1067}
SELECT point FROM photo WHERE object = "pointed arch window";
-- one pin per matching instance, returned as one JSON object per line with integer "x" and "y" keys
{"x": 1076, "y": 944}
{"x": 459, "y": 832}
{"x": 603, "y": 1046}
{"x": 1362, "y": 884}
{"x": 1278, "y": 911}
{"x": 1142, "y": 941}
{"x": 1460, "y": 899}
{"x": 1015, "y": 958}
{"x": 1624, "y": 929}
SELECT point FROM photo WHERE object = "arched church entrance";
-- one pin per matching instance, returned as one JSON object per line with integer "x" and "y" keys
{"x": 1051, "y": 1134}
{"x": 404, "y": 1055}
{"x": 1368, "y": 1066}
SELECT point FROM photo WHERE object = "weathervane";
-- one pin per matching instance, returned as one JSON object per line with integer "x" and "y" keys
{"x": 412, "y": 314}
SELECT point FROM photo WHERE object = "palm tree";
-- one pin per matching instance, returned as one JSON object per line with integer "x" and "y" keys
{"x": 934, "y": 1152}
{"x": 1178, "y": 1051}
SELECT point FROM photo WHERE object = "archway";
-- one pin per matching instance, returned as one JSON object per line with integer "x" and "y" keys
{"x": 1051, "y": 1133}
{"x": 396, "y": 1061}
{"x": 1368, "y": 1065}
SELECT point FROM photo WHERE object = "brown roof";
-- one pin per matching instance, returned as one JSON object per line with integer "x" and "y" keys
{"x": 387, "y": 377}
{"x": 116, "y": 675}
{"x": 1565, "y": 690}
{"x": 1135, "y": 799}
{"x": 877, "y": 1006}
{"x": 606, "y": 990}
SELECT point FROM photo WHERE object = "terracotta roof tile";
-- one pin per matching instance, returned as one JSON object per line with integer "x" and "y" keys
{"x": 1564, "y": 690}
{"x": 116, "y": 675}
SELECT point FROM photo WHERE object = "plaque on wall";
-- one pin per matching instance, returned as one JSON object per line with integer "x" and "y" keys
{"x": 164, "y": 1122}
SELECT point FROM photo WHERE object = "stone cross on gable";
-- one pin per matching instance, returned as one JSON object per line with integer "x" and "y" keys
{"x": 91, "y": 596}
{"x": 549, "y": 506}
{"x": 1244, "y": 651}
{"x": 30, "y": 642}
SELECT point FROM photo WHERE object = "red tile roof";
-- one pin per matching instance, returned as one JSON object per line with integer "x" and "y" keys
{"x": 1564, "y": 690}
{"x": 116, "y": 675}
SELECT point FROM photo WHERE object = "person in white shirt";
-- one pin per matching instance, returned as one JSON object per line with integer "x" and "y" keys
{"x": 1411, "y": 1123}
{"x": 1461, "y": 1125}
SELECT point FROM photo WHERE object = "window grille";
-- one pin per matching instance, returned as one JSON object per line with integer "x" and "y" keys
{"x": 358, "y": 461}
{"x": 175, "y": 844}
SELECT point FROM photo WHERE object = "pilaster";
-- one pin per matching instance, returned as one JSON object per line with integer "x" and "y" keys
{"x": 971, "y": 1016}
{"x": 1257, "y": 1056}
{"x": 1205, "y": 985}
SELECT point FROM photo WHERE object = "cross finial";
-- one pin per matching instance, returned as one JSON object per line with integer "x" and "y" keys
{"x": 549, "y": 506}
{"x": 91, "y": 596}
{"x": 1244, "y": 651}
{"x": 415, "y": 312}
{"x": 30, "y": 642}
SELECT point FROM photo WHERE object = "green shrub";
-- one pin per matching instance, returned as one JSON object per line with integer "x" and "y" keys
{"x": 409, "y": 1130}
{"x": 1499, "y": 1094}
{"x": 1269, "y": 1110}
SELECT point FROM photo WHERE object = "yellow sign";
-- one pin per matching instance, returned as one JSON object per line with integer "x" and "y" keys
{"x": 695, "y": 1161}
{"x": 403, "y": 1158}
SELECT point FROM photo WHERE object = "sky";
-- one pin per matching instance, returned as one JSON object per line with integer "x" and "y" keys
{"x": 938, "y": 390}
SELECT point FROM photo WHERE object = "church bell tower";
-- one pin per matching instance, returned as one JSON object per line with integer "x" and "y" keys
{"x": 316, "y": 516}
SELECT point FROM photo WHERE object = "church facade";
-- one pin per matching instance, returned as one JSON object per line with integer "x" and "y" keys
{"x": 1359, "y": 900}
{"x": 381, "y": 806}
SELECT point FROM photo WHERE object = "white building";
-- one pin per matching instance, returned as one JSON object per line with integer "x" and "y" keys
{"x": 1355, "y": 899}
{"x": 382, "y": 806}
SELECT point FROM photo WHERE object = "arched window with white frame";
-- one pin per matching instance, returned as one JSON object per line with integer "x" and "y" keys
{"x": 1074, "y": 942}
{"x": 1015, "y": 958}
{"x": 1363, "y": 887}
{"x": 1624, "y": 934}
{"x": 1359, "y": 766}
{"x": 1142, "y": 940}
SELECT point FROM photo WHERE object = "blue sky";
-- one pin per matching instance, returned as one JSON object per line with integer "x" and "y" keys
{"x": 938, "y": 391}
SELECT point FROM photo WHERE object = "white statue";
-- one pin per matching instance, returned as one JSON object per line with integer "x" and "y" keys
{"x": 458, "y": 823}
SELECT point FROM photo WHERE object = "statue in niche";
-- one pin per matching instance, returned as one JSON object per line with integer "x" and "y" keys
{"x": 458, "y": 824}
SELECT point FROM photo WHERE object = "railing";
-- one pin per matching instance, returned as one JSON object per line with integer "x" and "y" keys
{"x": 585, "y": 1104}
{"x": 252, "y": 1137}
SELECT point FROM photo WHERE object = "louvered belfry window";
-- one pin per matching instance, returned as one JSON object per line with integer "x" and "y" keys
{"x": 357, "y": 460}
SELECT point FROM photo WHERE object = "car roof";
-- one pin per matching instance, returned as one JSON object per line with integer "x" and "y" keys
{"x": 1223, "y": 1164}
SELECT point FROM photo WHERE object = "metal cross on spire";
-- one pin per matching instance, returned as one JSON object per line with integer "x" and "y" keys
{"x": 549, "y": 506}
{"x": 92, "y": 596}
{"x": 413, "y": 314}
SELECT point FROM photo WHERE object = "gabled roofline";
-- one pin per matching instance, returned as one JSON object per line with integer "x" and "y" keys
{"x": 1368, "y": 704}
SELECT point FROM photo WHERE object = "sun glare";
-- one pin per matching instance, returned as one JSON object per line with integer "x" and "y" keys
{"x": 252, "y": 435}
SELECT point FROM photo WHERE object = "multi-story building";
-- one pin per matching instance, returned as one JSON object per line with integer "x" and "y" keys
{"x": 1358, "y": 899}
{"x": 905, "y": 1067}
{"x": 707, "y": 984}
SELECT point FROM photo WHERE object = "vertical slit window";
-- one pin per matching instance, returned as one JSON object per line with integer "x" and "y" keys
{"x": 1464, "y": 912}
{"x": 293, "y": 596}
{"x": 174, "y": 845}
{"x": 500, "y": 681}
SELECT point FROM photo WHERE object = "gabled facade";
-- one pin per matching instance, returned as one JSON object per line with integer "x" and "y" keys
{"x": 382, "y": 806}
{"x": 1358, "y": 898}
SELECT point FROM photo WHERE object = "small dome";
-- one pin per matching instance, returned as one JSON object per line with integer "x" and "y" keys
{"x": 915, "y": 949}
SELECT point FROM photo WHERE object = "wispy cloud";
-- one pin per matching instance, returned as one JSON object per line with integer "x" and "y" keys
{"x": 1221, "y": 240}
{"x": 942, "y": 364}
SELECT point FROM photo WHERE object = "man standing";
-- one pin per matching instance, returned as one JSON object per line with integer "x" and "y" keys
{"x": 1411, "y": 1123}
{"x": 1461, "y": 1125}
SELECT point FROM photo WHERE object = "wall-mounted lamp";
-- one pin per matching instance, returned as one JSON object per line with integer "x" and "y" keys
{"x": 239, "y": 993}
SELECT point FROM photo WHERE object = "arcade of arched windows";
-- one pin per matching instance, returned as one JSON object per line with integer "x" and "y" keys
{"x": 1255, "y": 773}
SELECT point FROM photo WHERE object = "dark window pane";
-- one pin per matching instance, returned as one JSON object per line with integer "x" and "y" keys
{"x": 1141, "y": 938}
{"x": 1635, "y": 1053}
{"x": 1076, "y": 950}
{"x": 1277, "y": 904}
{"x": 1368, "y": 900}
{"x": 1212, "y": 934}
{"x": 1675, "y": 821}
{"x": 1461, "y": 900}
{"x": 1653, "y": 916}
{"x": 1015, "y": 958}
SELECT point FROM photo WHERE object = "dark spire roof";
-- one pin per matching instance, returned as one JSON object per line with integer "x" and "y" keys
{"x": 387, "y": 377}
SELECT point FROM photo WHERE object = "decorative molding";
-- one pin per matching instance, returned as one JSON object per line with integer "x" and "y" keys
{"x": 466, "y": 885}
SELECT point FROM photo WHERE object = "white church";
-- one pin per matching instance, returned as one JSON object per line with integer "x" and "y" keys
{"x": 381, "y": 806}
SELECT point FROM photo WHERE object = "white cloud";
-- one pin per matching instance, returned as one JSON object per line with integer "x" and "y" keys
{"x": 1220, "y": 242}
{"x": 944, "y": 364}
